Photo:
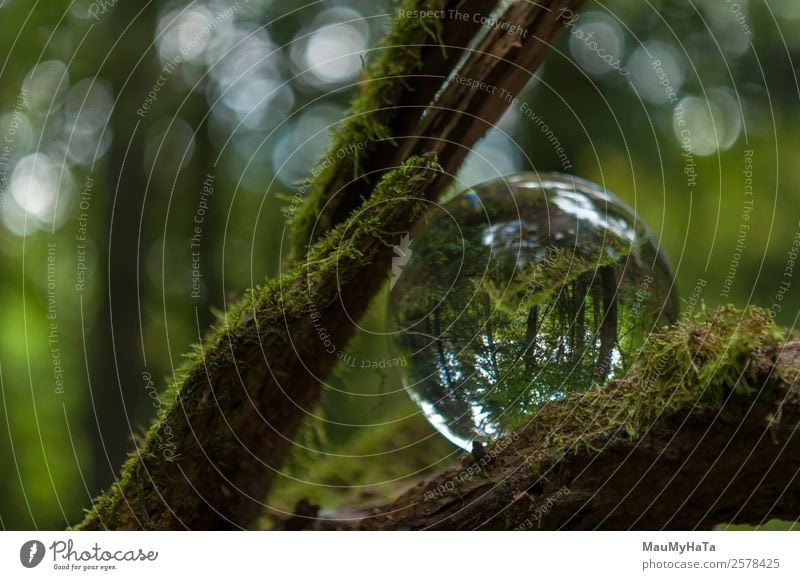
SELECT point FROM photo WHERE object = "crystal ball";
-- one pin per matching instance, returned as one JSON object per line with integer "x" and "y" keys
{"x": 520, "y": 291}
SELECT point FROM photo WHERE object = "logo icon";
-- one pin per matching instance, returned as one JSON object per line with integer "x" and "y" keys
{"x": 402, "y": 256}
{"x": 31, "y": 553}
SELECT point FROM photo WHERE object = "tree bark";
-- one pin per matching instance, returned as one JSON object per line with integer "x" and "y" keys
{"x": 731, "y": 456}
{"x": 701, "y": 432}
{"x": 437, "y": 59}
{"x": 209, "y": 460}
{"x": 116, "y": 397}
{"x": 457, "y": 114}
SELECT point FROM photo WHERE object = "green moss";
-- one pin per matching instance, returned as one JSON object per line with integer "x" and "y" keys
{"x": 536, "y": 282}
{"x": 691, "y": 366}
{"x": 248, "y": 322}
{"x": 771, "y": 526}
{"x": 373, "y": 467}
{"x": 367, "y": 121}
{"x": 370, "y": 113}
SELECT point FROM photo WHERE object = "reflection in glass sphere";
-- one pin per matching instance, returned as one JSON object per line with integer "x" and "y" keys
{"x": 519, "y": 291}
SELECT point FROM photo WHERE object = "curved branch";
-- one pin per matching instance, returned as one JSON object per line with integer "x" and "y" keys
{"x": 667, "y": 447}
{"x": 209, "y": 459}
{"x": 456, "y": 115}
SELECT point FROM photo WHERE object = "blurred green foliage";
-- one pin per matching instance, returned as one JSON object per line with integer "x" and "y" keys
{"x": 115, "y": 117}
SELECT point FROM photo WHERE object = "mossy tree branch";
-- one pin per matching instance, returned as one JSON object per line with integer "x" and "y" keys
{"x": 388, "y": 114}
{"x": 413, "y": 61}
{"x": 207, "y": 461}
{"x": 229, "y": 419}
{"x": 704, "y": 430}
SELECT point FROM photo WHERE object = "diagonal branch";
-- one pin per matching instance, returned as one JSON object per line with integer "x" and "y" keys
{"x": 667, "y": 447}
{"x": 414, "y": 59}
{"x": 209, "y": 458}
{"x": 500, "y": 66}
{"x": 456, "y": 114}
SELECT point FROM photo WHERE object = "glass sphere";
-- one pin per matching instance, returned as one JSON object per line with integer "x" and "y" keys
{"x": 519, "y": 291}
